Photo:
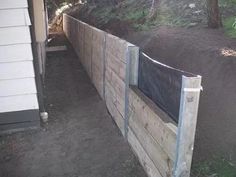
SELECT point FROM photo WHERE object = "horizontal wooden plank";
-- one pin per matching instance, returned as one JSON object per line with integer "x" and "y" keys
{"x": 110, "y": 102}
{"x": 88, "y": 34}
{"x": 15, "y": 35}
{"x": 161, "y": 160}
{"x": 18, "y": 52}
{"x": 108, "y": 87}
{"x": 153, "y": 123}
{"x": 88, "y": 59}
{"x": 98, "y": 80}
{"x": 16, "y": 70}
{"x": 144, "y": 159}
{"x": 13, "y": 4}
{"x": 14, "y": 17}
{"x": 18, "y": 103}
{"x": 117, "y": 47}
{"x": 98, "y": 55}
{"x": 118, "y": 85}
{"x": 17, "y": 87}
{"x": 116, "y": 65}
{"x": 118, "y": 101}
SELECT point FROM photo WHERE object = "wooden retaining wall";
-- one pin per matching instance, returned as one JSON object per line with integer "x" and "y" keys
{"x": 112, "y": 65}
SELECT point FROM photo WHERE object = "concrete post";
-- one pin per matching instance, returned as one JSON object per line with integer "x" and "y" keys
{"x": 190, "y": 92}
{"x": 131, "y": 78}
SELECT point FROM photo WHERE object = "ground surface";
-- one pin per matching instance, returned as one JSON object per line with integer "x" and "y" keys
{"x": 80, "y": 139}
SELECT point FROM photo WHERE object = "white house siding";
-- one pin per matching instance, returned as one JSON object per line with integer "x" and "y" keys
{"x": 18, "y": 93}
{"x": 22, "y": 52}
{"x": 13, "y": 4}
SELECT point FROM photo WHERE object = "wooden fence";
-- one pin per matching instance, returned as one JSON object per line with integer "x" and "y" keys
{"x": 163, "y": 147}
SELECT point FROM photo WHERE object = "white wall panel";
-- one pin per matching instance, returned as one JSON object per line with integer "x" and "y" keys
{"x": 14, "y": 53}
{"x": 17, "y": 87}
{"x": 12, "y": 4}
{"x": 16, "y": 70}
{"x": 17, "y": 79}
{"x": 14, "y": 17}
{"x": 15, "y": 35}
{"x": 18, "y": 103}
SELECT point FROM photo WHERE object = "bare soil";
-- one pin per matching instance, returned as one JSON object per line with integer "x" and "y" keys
{"x": 210, "y": 54}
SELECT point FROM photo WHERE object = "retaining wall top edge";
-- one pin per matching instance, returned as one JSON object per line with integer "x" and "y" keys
{"x": 96, "y": 29}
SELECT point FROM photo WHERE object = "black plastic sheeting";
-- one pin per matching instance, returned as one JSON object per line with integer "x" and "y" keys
{"x": 162, "y": 84}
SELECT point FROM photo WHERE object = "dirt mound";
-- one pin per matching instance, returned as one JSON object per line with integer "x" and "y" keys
{"x": 210, "y": 54}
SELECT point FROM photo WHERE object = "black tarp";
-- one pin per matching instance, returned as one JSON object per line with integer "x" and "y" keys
{"x": 162, "y": 84}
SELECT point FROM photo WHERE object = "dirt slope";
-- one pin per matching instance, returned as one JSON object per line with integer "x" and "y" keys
{"x": 208, "y": 53}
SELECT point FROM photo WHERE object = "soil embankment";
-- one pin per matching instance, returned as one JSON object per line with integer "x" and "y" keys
{"x": 208, "y": 53}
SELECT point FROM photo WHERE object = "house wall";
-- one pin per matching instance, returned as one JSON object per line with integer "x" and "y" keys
{"x": 18, "y": 93}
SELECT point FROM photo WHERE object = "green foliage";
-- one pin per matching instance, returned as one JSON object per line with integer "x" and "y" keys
{"x": 162, "y": 17}
{"x": 135, "y": 14}
{"x": 227, "y": 3}
{"x": 104, "y": 14}
{"x": 230, "y": 26}
{"x": 218, "y": 167}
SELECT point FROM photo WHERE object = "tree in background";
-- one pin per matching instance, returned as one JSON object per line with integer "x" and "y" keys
{"x": 153, "y": 8}
{"x": 214, "y": 17}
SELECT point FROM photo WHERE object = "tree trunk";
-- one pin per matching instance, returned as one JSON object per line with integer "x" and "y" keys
{"x": 214, "y": 17}
{"x": 152, "y": 9}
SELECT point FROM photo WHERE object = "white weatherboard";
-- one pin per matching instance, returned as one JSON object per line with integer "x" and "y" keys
{"x": 13, "y": 4}
{"x": 15, "y": 53}
{"x": 14, "y": 17}
{"x": 17, "y": 87}
{"x": 17, "y": 79}
{"x": 18, "y": 103}
{"x": 15, "y": 35}
{"x": 16, "y": 70}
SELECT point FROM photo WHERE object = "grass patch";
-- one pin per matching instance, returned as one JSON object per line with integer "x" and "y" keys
{"x": 163, "y": 17}
{"x": 104, "y": 14}
{"x": 227, "y": 3}
{"x": 136, "y": 15}
{"x": 230, "y": 26}
{"x": 218, "y": 167}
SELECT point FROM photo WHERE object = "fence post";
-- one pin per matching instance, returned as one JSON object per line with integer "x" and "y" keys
{"x": 190, "y": 92}
{"x": 131, "y": 78}
{"x": 134, "y": 64}
{"x": 104, "y": 64}
{"x": 91, "y": 59}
